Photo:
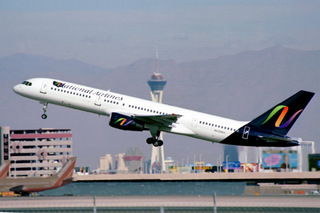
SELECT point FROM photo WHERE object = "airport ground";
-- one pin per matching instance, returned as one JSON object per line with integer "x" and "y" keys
{"x": 238, "y": 192}
{"x": 276, "y": 183}
{"x": 288, "y": 203}
{"x": 252, "y": 177}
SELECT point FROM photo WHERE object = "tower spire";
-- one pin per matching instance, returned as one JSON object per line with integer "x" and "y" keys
{"x": 157, "y": 65}
{"x": 156, "y": 84}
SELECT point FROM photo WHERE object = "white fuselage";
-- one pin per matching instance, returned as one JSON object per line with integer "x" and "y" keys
{"x": 191, "y": 123}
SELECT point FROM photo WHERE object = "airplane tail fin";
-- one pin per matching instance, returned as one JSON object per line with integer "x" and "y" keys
{"x": 280, "y": 118}
{"x": 4, "y": 169}
{"x": 64, "y": 175}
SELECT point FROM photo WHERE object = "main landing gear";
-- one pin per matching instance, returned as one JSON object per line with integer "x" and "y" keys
{"x": 44, "y": 108}
{"x": 154, "y": 141}
{"x": 154, "y": 130}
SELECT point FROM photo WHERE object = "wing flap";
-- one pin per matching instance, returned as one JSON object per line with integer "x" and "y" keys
{"x": 158, "y": 120}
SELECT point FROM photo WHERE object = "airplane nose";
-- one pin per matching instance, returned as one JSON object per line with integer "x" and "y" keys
{"x": 17, "y": 88}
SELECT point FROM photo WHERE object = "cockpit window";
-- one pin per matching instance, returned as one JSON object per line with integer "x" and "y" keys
{"x": 27, "y": 83}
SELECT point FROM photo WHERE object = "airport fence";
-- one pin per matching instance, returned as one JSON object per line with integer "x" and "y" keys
{"x": 165, "y": 210}
{"x": 161, "y": 204}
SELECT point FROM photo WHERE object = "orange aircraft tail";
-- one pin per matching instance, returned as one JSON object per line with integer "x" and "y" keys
{"x": 4, "y": 169}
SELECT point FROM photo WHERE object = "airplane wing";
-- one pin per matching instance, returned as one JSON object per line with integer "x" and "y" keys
{"x": 158, "y": 120}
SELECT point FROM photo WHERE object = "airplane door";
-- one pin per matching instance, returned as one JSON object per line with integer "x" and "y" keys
{"x": 194, "y": 122}
{"x": 44, "y": 87}
{"x": 246, "y": 132}
{"x": 97, "y": 102}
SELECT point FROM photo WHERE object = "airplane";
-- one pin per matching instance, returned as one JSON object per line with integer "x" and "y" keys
{"x": 4, "y": 169}
{"x": 25, "y": 186}
{"x": 134, "y": 114}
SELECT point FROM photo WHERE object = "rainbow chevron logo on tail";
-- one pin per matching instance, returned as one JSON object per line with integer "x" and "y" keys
{"x": 280, "y": 118}
{"x": 282, "y": 115}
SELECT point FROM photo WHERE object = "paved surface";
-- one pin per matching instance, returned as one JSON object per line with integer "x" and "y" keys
{"x": 161, "y": 201}
{"x": 237, "y": 176}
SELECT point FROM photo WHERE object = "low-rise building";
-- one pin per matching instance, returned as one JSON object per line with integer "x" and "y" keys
{"x": 35, "y": 152}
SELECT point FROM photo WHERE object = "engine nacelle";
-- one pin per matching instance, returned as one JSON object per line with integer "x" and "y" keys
{"x": 124, "y": 122}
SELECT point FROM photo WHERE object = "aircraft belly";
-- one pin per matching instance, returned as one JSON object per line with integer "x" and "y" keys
{"x": 210, "y": 134}
{"x": 74, "y": 103}
{"x": 181, "y": 130}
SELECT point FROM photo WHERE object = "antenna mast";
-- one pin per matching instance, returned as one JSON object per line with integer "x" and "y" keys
{"x": 157, "y": 66}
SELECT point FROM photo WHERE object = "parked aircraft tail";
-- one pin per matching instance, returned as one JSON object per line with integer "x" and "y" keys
{"x": 64, "y": 175}
{"x": 4, "y": 169}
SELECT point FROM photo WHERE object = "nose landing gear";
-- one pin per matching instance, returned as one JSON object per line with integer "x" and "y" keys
{"x": 44, "y": 108}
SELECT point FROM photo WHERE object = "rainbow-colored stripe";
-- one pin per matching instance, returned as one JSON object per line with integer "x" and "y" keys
{"x": 123, "y": 121}
{"x": 285, "y": 110}
{"x": 58, "y": 84}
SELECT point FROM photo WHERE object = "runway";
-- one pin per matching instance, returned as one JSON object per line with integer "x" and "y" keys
{"x": 159, "y": 201}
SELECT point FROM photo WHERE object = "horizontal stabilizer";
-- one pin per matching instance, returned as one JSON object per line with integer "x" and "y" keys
{"x": 274, "y": 139}
{"x": 17, "y": 189}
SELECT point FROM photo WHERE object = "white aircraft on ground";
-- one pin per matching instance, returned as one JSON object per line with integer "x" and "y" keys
{"x": 134, "y": 114}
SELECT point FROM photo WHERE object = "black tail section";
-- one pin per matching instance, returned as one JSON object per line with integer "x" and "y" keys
{"x": 270, "y": 128}
{"x": 280, "y": 119}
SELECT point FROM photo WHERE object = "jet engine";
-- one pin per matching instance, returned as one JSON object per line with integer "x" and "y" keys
{"x": 124, "y": 122}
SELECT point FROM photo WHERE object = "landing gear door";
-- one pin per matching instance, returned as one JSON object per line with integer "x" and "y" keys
{"x": 246, "y": 132}
{"x": 44, "y": 87}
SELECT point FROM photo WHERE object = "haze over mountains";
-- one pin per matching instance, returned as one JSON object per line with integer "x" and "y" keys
{"x": 240, "y": 86}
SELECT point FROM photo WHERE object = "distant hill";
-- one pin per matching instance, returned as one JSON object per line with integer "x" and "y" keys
{"x": 30, "y": 66}
{"x": 239, "y": 86}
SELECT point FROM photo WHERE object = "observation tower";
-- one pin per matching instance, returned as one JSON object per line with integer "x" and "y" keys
{"x": 156, "y": 84}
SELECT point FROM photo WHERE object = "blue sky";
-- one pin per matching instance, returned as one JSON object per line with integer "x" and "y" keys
{"x": 115, "y": 33}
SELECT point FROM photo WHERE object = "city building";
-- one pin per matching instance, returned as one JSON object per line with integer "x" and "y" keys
{"x": 35, "y": 152}
{"x": 133, "y": 160}
{"x": 289, "y": 158}
{"x": 120, "y": 166}
{"x": 314, "y": 162}
{"x": 307, "y": 148}
{"x": 230, "y": 153}
{"x": 106, "y": 163}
